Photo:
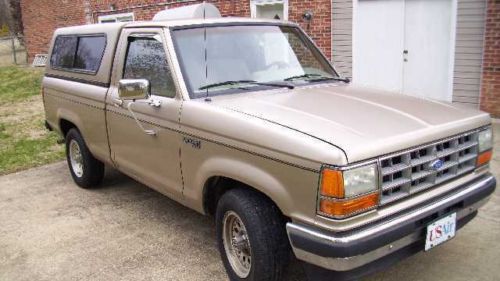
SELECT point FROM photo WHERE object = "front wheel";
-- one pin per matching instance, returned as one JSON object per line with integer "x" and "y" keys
{"x": 87, "y": 172}
{"x": 251, "y": 236}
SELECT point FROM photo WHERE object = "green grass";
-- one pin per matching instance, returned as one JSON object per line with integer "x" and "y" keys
{"x": 19, "y": 83}
{"x": 24, "y": 141}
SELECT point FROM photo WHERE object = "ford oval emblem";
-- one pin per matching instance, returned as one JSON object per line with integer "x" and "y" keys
{"x": 436, "y": 164}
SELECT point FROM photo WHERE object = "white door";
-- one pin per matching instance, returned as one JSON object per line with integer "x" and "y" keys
{"x": 429, "y": 46}
{"x": 405, "y": 46}
{"x": 378, "y": 43}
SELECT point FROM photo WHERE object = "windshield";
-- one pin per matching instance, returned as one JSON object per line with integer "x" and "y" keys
{"x": 239, "y": 54}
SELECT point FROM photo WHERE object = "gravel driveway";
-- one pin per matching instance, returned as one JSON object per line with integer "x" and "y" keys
{"x": 52, "y": 230}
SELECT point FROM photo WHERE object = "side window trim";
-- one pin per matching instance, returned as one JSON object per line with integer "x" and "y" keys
{"x": 158, "y": 37}
{"x": 72, "y": 68}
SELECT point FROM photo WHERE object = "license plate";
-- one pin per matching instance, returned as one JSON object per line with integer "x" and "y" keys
{"x": 440, "y": 231}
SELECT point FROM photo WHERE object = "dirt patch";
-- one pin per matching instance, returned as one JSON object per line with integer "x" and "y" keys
{"x": 24, "y": 141}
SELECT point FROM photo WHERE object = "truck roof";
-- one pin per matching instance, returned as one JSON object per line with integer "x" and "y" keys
{"x": 117, "y": 27}
{"x": 112, "y": 33}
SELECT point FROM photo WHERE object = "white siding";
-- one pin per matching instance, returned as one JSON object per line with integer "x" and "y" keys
{"x": 471, "y": 16}
{"x": 342, "y": 36}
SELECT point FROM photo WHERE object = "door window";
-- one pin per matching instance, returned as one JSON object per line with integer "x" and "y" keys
{"x": 146, "y": 59}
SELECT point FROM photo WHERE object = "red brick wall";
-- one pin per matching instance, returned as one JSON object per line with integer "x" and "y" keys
{"x": 320, "y": 28}
{"x": 42, "y": 17}
{"x": 145, "y": 10}
{"x": 490, "y": 93}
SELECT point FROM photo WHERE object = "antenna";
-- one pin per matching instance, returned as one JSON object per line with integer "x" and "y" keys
{"x": 205, "y": 49}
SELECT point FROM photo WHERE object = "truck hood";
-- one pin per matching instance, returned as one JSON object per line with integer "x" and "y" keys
{"x": 363, "y": 122}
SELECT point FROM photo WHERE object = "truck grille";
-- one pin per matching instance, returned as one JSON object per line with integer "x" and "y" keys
{"x": 408, "y": 172}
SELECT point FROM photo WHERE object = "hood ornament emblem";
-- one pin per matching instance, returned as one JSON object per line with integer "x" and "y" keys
{"x": 436, "y": 164}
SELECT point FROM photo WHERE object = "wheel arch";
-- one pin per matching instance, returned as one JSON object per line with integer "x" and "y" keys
{"x": 65, "y": 126}
{"x": 227, "y": 175}
{"x": 67, "y": 120}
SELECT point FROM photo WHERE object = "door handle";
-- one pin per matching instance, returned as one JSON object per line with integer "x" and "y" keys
{"x": 154, "y": 102}
{"x": 117, "y": 102}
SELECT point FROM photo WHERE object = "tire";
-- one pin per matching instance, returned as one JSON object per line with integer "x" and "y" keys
{"x": 268, "y": 246}
{"x": 87, "y": 172}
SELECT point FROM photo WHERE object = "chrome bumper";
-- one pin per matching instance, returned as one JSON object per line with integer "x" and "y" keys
{"x": 345, "y": 252}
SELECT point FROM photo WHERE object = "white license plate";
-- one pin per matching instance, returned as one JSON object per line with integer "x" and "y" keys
{"x": 440, "y": 231}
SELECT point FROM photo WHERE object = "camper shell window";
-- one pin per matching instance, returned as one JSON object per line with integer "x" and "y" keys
{"x": 78, "y": 53}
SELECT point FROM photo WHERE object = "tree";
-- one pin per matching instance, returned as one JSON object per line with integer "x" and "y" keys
{"x": 10, "y": 17}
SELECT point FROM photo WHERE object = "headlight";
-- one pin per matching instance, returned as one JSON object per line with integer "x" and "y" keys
{"x": 348, "y": 192}
{"x": 360, "y": 180}
{"x": 485, "y": 140}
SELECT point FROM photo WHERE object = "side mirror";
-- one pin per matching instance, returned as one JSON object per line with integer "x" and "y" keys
{"x": 133, "y": 89}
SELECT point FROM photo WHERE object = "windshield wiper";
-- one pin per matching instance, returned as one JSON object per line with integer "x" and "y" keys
{"x": 307, "y": 75}
{"x": 319, "y": 78}
{"x": 345, "y": 80}
{"x": 253, "y": 82}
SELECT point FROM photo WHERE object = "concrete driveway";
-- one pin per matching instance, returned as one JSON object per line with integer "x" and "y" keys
{"x": 52, "y": 230}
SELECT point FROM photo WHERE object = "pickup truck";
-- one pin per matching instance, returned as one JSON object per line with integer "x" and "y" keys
{"x": 247, "y": 121}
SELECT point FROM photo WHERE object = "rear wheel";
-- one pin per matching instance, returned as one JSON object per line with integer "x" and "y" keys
{"x": 87, "y": 172}
{"x": 251, "y": 236}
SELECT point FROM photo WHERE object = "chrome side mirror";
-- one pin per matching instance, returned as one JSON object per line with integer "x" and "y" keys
{"x": 133, "y": 89}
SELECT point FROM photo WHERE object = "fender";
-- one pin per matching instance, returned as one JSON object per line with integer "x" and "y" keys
{"x": 63, "y": 113}
{"x": 246, "y": 173}
{"x": 99, "y": 153}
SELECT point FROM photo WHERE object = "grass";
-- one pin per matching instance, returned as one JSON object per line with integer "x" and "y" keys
{"x": 19, "y": 83}
{"x": 24, "y": 141}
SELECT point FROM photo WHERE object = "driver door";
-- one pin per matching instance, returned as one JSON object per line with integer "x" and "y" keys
{"x": 152, "y": 159}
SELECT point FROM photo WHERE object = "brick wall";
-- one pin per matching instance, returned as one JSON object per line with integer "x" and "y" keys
{"x": 320, "y": 28}
{"x": 42, "y": 17}
{"x": 490, "y": 92}
{"x": 145, "y": 10}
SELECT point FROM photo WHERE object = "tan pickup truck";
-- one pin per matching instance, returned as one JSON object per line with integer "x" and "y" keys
{"x": 247, "y": 121}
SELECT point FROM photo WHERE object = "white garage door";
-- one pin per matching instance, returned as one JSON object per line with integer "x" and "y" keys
{"x": 405, "y": 46}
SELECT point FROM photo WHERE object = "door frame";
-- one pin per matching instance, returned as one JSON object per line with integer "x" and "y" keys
{"x": 168, "y": 124}
{"x": 451, "y": 64}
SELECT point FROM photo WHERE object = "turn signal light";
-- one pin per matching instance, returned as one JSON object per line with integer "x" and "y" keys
{"x": 484, "y": 158}
{"x": 342, "y": 208}
{"x": 332, "y": 183}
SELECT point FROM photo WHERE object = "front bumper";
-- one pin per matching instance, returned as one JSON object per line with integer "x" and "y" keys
{"x": 367, "y": 249}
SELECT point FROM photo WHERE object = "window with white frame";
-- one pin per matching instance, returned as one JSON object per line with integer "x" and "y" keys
{"x": 269, "y": 9}
{"x": 124, "y": 17}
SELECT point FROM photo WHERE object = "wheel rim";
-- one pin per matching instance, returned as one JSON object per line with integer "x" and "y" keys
{"x": 237, "y": 244}
{"x": 76, "y": 158}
